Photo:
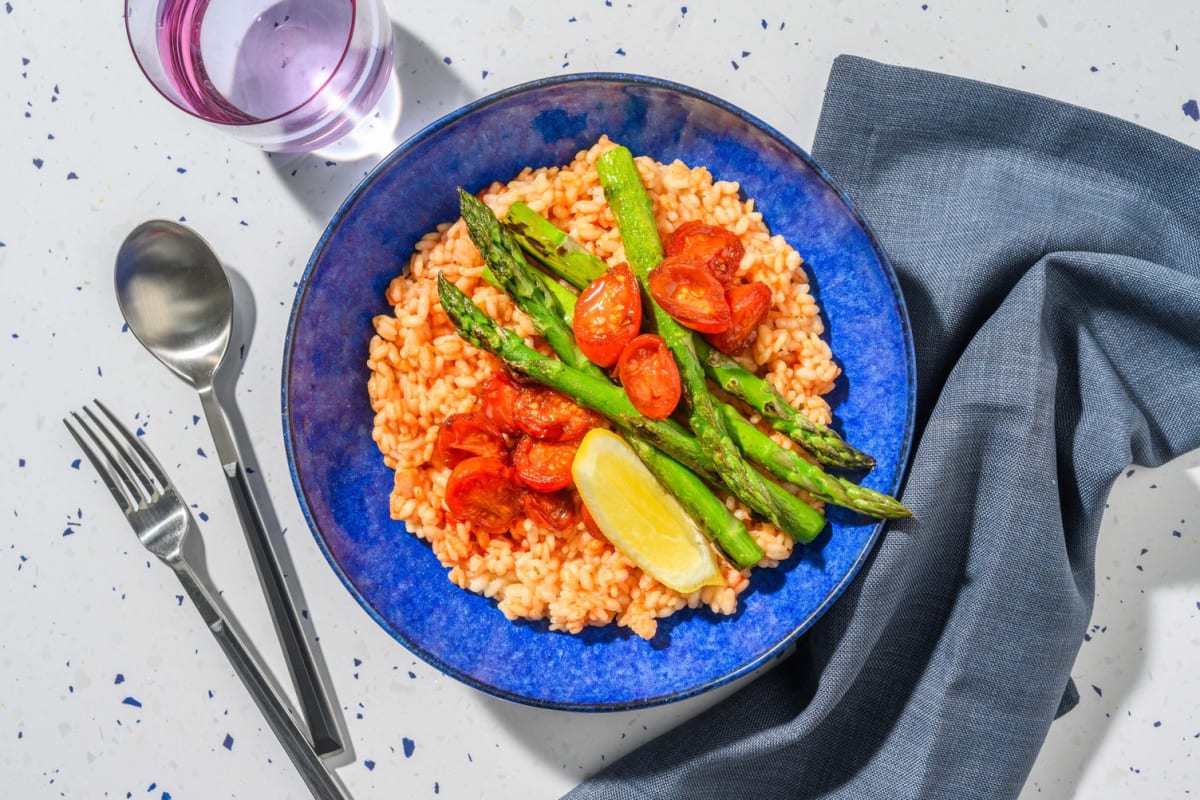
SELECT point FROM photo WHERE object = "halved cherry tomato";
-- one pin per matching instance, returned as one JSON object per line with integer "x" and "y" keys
{"x": 715, "y": 247}
{"x": 545, "y": 414}
{"x": 544, "y": 466}
{"x": 482, "y": 492}
{"x": 463, "y": 436}
{"x": 497, "y": 397}
{"x": 650, "y": 376}
{"x": 748, "y": 305}
{"x": 552, "y": 509}
{"x": 608, "y": 315}
{"x": 687, "y": 290}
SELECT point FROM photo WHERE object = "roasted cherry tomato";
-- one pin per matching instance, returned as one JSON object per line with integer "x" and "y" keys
{"x": 713, "y": 246}
{"x": 545, "y": 414}
{"x": 748, "y": 305}
{"x": 544, "y": 466}
{"x": 608, "y": 315}
{"x": 688, "y": 292}
{"x": 552, "y": 509}
{"x": 482, "y": 492}
{"x": 497, "y": 397}
{"x": 463, "y": 436}
{"x": 650, "y": 376}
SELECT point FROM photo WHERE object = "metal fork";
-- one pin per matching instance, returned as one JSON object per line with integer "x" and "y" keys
{"x": 162, "y": 522}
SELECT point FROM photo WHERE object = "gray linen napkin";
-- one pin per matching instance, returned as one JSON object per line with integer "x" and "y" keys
{"x": 1050, "y": 259}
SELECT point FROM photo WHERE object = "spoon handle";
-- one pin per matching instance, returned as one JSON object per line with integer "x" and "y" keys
{"x": 310, "y": 688}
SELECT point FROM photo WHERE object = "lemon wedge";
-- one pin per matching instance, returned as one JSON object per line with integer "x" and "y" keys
{"x": 641, "y": 518}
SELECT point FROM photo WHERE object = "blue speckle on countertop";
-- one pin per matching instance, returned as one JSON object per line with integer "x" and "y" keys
{"x": 37, "y": 162}
{"x": 1192, "y": 109}
{"x": 119, "y": 679}
{"x": 369, "y": 764}
{"x": 620, "y": 51}
{"x": 228, "y": 743}
{"x": 132, "y": 701}
{"x": 409, "y": 746}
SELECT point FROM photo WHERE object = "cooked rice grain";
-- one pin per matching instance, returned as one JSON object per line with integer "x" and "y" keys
{"x": 421, "y": 372}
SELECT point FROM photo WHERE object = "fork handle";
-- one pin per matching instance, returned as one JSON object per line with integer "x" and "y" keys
{"x": 310, "y": 688}
{"x": 320, "y": 781}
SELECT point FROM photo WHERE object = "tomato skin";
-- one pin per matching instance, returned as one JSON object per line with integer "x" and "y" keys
{"x": 555, "y": 510}
{"x": 497, "y": 397}
{"x": 689, "y": 292}
{"x": 544, "y": 466}
{"x": 715, "y": 247}
{"x": 463, "y": 436}
{"x": 481, "y": 491}
{"x": 608, "y": 315}
{"x": 650, "y": 376}
{"x": 546, "y": 414}
{"x": 748, "y": 306}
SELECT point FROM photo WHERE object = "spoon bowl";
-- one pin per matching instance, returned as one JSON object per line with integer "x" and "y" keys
{"x": 176, "y": 298}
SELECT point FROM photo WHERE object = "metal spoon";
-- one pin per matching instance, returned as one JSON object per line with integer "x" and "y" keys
{"x": 176, "y": 297}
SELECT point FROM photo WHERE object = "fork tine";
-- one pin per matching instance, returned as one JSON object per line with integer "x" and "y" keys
{"x": 147, "y": 457}
{"x": 106, "y": 474}
{"x": 130, "y": 465}
{"x": 118, "y": 461}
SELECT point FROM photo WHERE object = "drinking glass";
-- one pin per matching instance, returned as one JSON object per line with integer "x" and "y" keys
{"x": 285, "y": 75}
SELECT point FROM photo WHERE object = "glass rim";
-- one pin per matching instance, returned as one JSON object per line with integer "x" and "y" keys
{"x": 248, "y": 123}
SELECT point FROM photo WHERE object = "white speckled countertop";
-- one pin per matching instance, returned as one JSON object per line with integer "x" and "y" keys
{"x": 109, "y": 685}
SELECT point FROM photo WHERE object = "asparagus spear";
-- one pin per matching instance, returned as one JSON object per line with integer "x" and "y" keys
{"x": 634, "y": 211}
{"x": 568, "y": 259}
{"x": 789, "y": 466}
{"x": 551, "y": 245}
{"x": 803, "y": 522}
{"x": 525, "y": 285}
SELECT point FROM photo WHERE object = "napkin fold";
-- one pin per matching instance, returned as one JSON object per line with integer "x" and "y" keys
{"x": 1050, "y": 260}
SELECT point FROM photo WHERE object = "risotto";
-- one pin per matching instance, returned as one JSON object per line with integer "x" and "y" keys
{"x": 421, "y": 372}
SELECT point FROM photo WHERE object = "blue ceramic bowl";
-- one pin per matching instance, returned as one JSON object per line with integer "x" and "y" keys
{"x": 340, "y": 477}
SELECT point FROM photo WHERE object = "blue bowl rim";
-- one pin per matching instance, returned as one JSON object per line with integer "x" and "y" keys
{"x": 430, "y": 130}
